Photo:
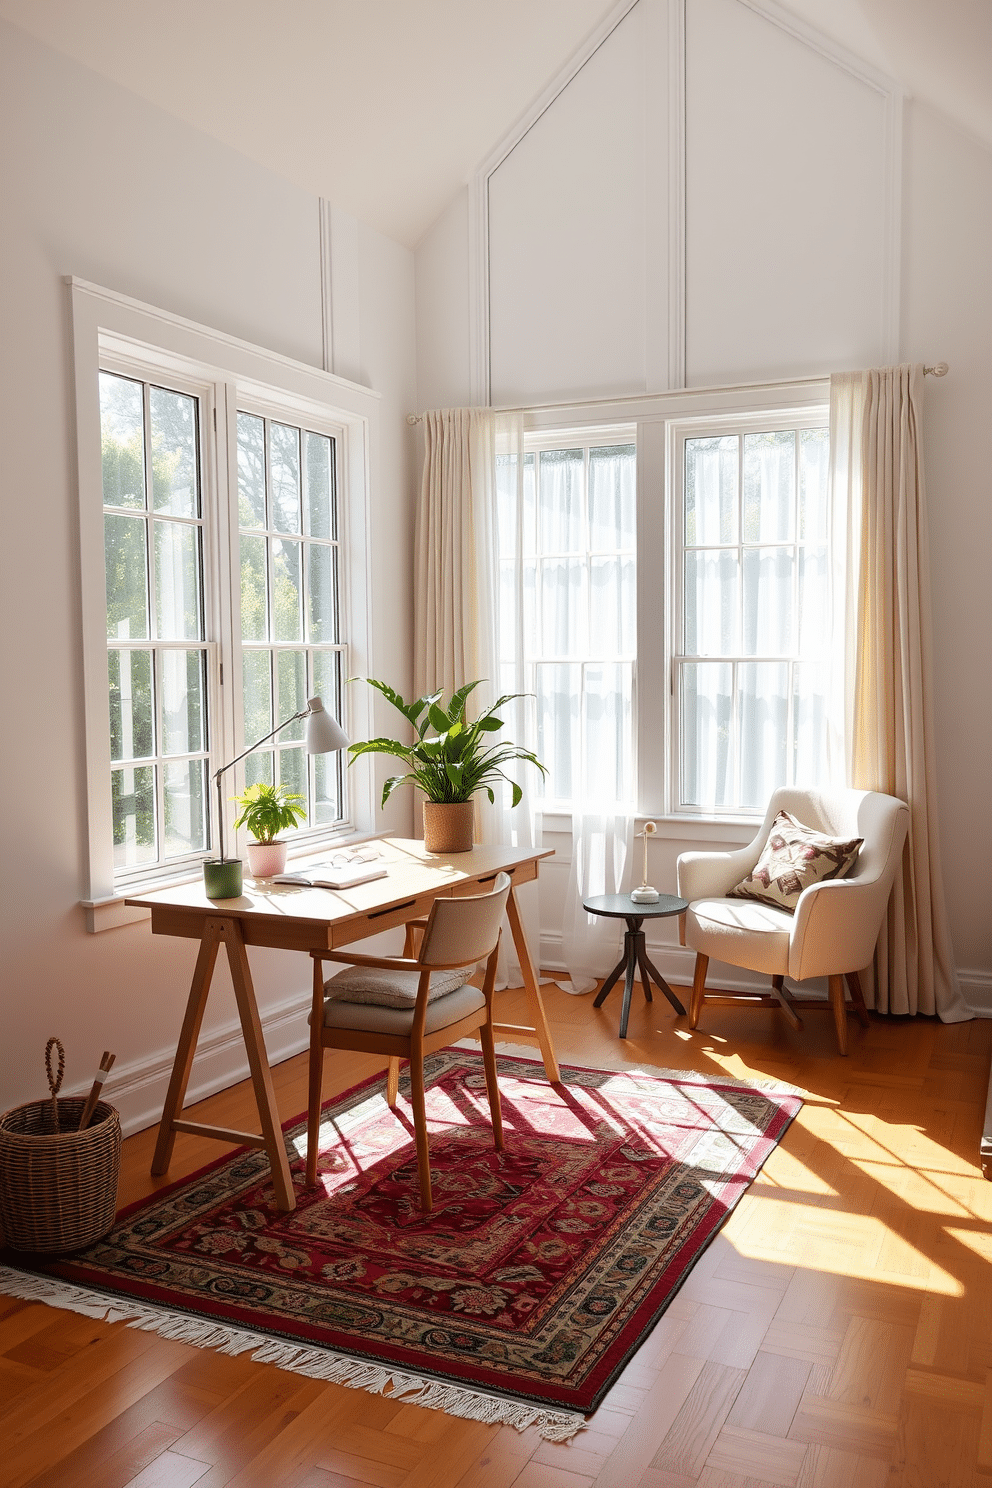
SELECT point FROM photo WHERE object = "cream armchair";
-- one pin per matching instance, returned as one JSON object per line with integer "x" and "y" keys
{"x": 832, "y": 932}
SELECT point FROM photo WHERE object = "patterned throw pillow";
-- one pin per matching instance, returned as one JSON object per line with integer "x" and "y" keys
{"x": 794, "y": 857}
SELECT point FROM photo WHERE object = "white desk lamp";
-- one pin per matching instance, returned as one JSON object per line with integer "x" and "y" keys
{"x": 645, "y": 894}
{"x": 222, "y": 877}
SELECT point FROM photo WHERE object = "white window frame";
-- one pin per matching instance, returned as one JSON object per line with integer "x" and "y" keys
{"x": 114, "y": 332}
{"x": 656, "y": 417}
{"x": 712, "y": 426}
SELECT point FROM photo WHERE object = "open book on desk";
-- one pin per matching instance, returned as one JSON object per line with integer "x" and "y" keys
{"x": 342, "y": 871}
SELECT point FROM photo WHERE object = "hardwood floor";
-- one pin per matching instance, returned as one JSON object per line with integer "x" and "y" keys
{"x": 835, "y": 1335}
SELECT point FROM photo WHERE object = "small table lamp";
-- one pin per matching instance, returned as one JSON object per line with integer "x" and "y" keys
{"x": 645, "y": 894}
{"x": 222, "y": 877}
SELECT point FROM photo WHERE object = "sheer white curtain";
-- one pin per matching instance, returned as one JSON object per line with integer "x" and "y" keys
{"x": 566, "y": 607}
{"x": 884, "y": 669}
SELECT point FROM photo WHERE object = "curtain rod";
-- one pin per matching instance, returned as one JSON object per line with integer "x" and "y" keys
{"x": 939, "y": 369}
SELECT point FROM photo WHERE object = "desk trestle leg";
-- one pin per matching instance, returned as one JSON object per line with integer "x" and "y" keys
{"x": 215, "y": 931}
{"x": 533, "y": 991}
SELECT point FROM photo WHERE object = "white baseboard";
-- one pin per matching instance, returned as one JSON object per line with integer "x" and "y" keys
{"x": 138, "y": 1090}
{"x": 976, "y": 987}
{"x": 676, "y": 965}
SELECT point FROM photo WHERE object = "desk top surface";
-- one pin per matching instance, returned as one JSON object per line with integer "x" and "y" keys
{"x": 410, "y": 871}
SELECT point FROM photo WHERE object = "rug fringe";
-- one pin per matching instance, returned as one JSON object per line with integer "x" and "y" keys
{"x": 315, "y": 1363}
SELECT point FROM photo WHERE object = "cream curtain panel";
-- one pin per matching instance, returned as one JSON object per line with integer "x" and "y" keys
{"x": 884, "y": 669}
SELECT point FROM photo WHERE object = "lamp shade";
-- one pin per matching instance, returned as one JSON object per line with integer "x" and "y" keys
{"x": 323, "y": 732}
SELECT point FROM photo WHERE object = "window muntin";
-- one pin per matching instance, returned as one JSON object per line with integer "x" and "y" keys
{"x": 568, "y": 597}
{"x": 752, "y": 546}
{"x": 156, "y": 638}
{"x": 291, "y": 645}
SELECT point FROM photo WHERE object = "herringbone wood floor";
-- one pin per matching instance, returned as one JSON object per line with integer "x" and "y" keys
{"x": 835, "y": 1335}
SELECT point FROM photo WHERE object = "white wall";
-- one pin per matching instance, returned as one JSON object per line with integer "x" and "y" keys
{"x": 96, "y": 183}
{"x": 808, "y": 250}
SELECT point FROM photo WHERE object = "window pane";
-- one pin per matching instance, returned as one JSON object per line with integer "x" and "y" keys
{"x": 712, "y": 603}
{"x": 506, "y": 505}
{"x": 251, "y": 470}
{"x": 174, "y": 473}
{"x": 559, "y": 691}
{"x": 528, "y": 502}
{"x": 814, "y": 460}
{"x": 606, "y": 705}
{"x": 612, "y": 604}
{"x": 764, "y": 729}
{"x": 809, "y": 723}
{"x": 769, "y": 486}
{"x": 327, "y": 681}
{"x": 127, "y": 568}
{"x": 561, "y": 501}
{"x": 258, "y": 768}
{"x": 327, "y": 793}
{"x": 320, "y": 503}
{"x": 177, "y": 581}
{"x": 768, "y": 603}
{"x": 183, "y": 701}
{"x": 132, "y": 730}
{"x": 284, "y": 457}
{"x": 814, "y": 600}
{"x": 291, "y": 671}
{"x": 184, "y": 788}
{"x": 254, "y": 625}
{"x": 612, "y": 483}
{"x": 322, "y": 619}
{"x": 257, "y": 701}
{"x": 293, "y": 774}
{"x": 133, "y": 802}
{"x": 707, "y": 759}
{"x": 711, "y": 491}
{"x": 123, "y": 441}
{"x": 564, "y": 607}
{"x": 287, "y": 587}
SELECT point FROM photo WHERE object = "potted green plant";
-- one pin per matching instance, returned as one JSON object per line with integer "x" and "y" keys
{"x": 449, "y": 765}
{"x": 267, "y": 810}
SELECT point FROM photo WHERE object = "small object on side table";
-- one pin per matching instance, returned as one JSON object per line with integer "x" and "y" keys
{"x": 645, "y": 894}
{"x": 635, "y": 957}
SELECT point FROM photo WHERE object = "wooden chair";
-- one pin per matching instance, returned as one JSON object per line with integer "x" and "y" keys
{"x": 406, "y": 1007}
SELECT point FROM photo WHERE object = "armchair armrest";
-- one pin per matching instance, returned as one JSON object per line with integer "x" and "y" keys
{"x": 836, "y": 926}
{"x": 708, "y": 875}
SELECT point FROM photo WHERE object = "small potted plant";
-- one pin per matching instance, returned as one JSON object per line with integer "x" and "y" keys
{"x": 267, "y": 810}
{"x": 451, "y": 765}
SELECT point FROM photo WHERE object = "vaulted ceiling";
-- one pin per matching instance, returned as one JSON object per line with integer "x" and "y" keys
{"x": 384, "y": 107}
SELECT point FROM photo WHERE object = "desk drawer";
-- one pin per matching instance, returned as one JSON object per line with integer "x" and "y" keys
{"x": 359, "y": 928}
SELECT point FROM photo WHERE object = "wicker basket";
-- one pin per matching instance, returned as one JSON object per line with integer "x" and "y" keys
{"x": 58, "y": 1188}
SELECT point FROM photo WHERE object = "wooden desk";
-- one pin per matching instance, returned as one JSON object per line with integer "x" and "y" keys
{"x": 298, "y": 919}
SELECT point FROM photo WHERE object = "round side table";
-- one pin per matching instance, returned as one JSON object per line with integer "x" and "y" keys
{"x": 635, "y": 956}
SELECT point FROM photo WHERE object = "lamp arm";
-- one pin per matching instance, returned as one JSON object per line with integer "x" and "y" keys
{"x": 237, "y": 759}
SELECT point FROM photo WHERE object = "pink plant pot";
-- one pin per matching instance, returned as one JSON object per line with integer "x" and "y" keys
{"x": 266, "y": 858}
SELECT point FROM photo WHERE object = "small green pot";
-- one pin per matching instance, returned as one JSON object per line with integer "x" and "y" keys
{"x": 222, "y": 878}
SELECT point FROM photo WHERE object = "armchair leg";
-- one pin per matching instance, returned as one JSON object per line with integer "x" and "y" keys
{"x": 858, "y": 998}
{"x": 492, "y": 1088}
{"x": 392, "y": 1083}
{"x": 839, "y": 1010}
{"x": 420, "y": 1127}
{"x": 698, "y": 988}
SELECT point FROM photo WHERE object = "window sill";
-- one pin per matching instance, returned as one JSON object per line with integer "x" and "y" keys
{"x": 734, "y": 831}
{"x": 112, "y": 912}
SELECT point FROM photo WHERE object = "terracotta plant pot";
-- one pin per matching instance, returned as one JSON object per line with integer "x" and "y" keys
{"x": 266, "y": 858}
{"x": 448, "y": 826}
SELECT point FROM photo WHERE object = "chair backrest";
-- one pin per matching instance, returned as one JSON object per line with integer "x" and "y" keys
{"x": 881, "y": 820}
{"x": 465, "y": 929}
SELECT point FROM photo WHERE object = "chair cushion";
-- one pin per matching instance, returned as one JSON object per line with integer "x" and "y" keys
{"x": 368, "y": 1018}
{"x": 794, "y": 857}
{"x": 382, "y": 987}
{"x": 741, "y": 933}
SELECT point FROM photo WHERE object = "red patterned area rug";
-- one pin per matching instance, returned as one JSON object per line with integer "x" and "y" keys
{"x": 519, "y": 1298}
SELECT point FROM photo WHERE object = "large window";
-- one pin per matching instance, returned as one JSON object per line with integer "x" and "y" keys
{"x": 750, "y": 615}
{"x": 223, "y": 519}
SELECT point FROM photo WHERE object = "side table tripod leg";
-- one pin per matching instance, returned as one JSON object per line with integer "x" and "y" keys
{"x": 648, "y": 968}
{"x": 610, "y": 982}
{"x": 628, "y": 988}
